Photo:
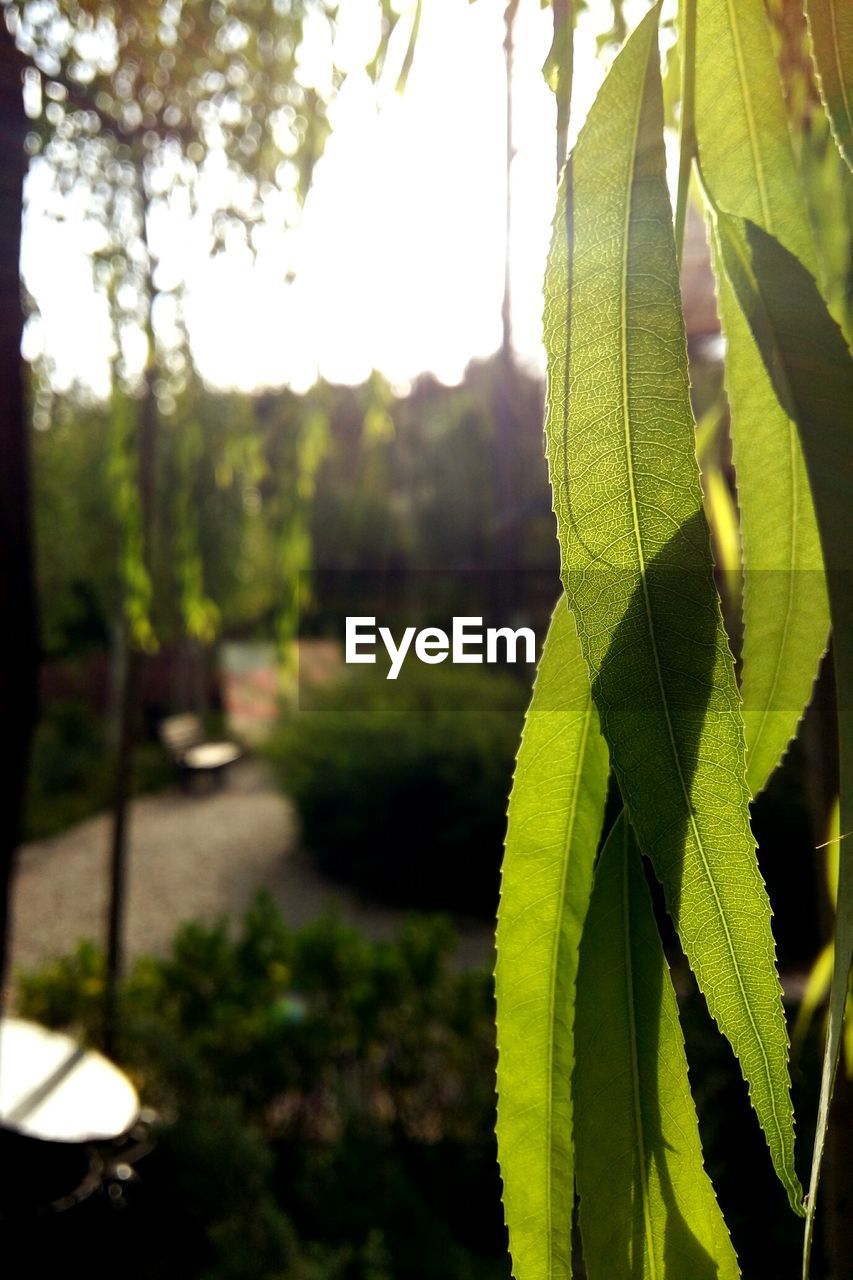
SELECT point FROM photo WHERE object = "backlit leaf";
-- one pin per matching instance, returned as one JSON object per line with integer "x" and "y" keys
{"x": 722, "y": 517}
{"x": 831, "y": 26}
{"x": 555, "y": 817}
{"x": 749, "y": 166}
{"x": 647, "y": 1207}
{"x": 742, "y": 130}
{"x": 637, "y": 567}
{"x": 785, "y": 607}
{"x": 810, "y": 366}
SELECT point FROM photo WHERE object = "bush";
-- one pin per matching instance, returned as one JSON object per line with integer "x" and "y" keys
{"x": 73, "y": 769}
{"x": 326, "y": 1106}
{"x": 401, "y": 787}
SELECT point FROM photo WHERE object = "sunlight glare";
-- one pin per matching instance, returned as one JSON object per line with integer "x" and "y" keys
{"x": 397, "y": 261}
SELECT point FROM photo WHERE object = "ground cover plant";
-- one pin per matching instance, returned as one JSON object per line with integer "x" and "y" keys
{"x": 637, "y": 674}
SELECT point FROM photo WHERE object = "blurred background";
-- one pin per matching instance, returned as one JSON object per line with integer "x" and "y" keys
{"x": 281, "y": 269}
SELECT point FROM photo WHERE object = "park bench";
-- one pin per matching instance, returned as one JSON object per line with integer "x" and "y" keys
{"x": 183, "y": 737}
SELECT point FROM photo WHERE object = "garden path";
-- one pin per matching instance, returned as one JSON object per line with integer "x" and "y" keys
{"x": 191, "y": 856}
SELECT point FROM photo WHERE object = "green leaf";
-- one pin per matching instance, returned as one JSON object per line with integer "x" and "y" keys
{"x": 559, "y": 71}
{"x": 815, "y": 992}
{"x": 555, "y": 816}
{"x": 725, "y": 534}
{"x": 831, "y": 26}
{"x": 749, "y": 167}
{"x": 647, "y": 1206}
{"x": 785, "y": 606}
{"x": 686, "y": 46}
{"x": 637, "y": 568}
{"x": 809, "y": 364}
{"x": 745, "y": 147}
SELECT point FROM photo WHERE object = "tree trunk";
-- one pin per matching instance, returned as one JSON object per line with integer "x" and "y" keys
{"x": 18, "y": 645}
{"x": 130, "y": 688}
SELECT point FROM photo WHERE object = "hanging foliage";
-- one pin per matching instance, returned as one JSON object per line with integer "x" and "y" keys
{"x": 593, "y": 1090}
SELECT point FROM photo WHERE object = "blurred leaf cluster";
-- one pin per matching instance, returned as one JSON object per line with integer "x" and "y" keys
{"x": 227, "y": 509}
{"x": 253, "y": 490}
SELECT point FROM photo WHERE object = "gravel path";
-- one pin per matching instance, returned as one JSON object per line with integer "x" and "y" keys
{"x": 190, "y": 856}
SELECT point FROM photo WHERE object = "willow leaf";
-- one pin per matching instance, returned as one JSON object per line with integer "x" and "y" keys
{"x": 686, "y": 47}
{"x": 810, "y": 366}
{"x": 725, "y": 534}
{"x": 831, "y": 26}
{"x": 785, "y": 606}
{"x": 749, "y": 166}
{"x": 637, "y": 567}
{"x": 647, "y": 1206}
{"x": 744, "y": 141}
{"x": 555, "y": 816}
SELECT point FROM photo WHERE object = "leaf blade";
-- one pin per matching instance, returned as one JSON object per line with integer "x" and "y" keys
{"x": 785, "y": 605}
{"x": 749, "y": 167}
{"x": 555, "y": 815}
{"x": 660, "y": 1215}
{"x": 810, "y": 367}
{"x": 744, "y": 141}
{"x": 831, "y": 27}
{"x": 637, "y": 568}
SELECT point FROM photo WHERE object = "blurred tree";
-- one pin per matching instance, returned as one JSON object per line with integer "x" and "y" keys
{"x": 17, "y": 606}
{"x": 209, "y": 112}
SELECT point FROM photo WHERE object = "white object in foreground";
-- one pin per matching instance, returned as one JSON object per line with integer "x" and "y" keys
{"x": 54, "y": 1089}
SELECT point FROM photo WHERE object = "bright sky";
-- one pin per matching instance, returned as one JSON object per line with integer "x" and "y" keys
{"x": 398, "y": 262}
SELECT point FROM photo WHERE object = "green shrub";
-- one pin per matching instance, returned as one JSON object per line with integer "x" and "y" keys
{"x": 326, "y": 1105}
{"x": 73, "y": 767}
{"x": 401, "y": 787}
